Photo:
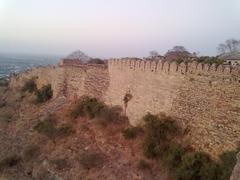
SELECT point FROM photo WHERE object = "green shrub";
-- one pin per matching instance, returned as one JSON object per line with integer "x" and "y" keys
{"x": 77, "y": 110}
{"x": 94, "y": 109}
{"x": 60, "y": 163}
{"x": 96, "y": 61}
{"x": 46, "y": 127}
{"x": 44, "y": 94}
{"x": 179, "y": 61}
{"x": 143, "y": 165}
{"x": 31, "y": 152}
{"x": 219, "y": 62}
{"x": 196, "y": 165}
{"x": 91, "y": 160}
{"x": 6, "y": 116}
{"x": 64, "y": 130}
{"x": 30, "y": 86}
{"x": 84, "y": 127}
{"x": 160, "y": 144}
{"x": 151, "y": 147}
{"x": 9, "y": 161}
{"x": 2, "y": 103}
{"x": 108, "y": 115}
{"x": 173, "y": 155}
{"x": 87, "y": 107}
{"x": 227, "y": 163}
{"x": 163, "y": 127}
{"x": 130, "y": 133}
{"x": 159, "y": 131}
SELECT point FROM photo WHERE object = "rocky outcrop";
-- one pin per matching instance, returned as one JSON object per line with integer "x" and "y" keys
{"x": 236, "y": 170}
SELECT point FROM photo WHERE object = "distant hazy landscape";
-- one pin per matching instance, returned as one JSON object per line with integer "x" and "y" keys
{"x": 13, "y": 63}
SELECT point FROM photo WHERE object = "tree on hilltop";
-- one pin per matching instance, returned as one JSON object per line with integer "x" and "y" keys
{"x": 153, "y": 53}
{"x": 178, "y": 52}
{"x": 178, "y": 49}
{"x": 79, "y": 55}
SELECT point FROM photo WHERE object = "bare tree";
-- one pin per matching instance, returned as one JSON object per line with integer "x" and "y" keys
{"x": 233, "y": 44}
{"x": 153, "y": 53}
{"x": 177, "y": 53}
{"x": 79, "y": 55}
{"x": 230, "y": 45}
{"x": 222, "y": 48}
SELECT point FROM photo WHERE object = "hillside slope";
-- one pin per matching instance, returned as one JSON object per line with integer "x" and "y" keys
{"x": 90, "y": 151}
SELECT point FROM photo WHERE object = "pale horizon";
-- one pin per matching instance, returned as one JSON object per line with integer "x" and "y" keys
{"x": 114, "y": 28}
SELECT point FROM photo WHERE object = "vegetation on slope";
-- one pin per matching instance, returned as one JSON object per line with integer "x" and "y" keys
{"x": 94, "y": 109}
{"x": 131, "y": 132}
{"x": 161, "y": 142}
{"x": 9, "y": 161}
{"x": 42, "y": 95}
{"x": 29, "y": 86}
{"x": 48, "y": 128}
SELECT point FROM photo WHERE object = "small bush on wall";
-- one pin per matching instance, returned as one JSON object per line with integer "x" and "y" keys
{"x": 30, "y": 86}
{"x": 44, "y": 94}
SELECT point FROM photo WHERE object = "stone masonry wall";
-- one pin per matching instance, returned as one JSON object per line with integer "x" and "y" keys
{"x": 205, "y": 99}
{"x": 69, "y": 81}
{"x": 43, "y": 76}
{"x": 152, "y": 90}
{"x": 209, "y": 107}
{"x": 91, "y": 80}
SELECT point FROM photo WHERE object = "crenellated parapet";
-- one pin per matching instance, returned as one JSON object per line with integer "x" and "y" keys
{"x": 162, "y": 66}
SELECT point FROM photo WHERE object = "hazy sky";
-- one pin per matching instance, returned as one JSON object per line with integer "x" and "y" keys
{"x": 108, "y": 28}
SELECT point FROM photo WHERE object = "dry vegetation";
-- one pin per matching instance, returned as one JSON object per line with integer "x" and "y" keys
{"x": 82, "y": 140}
{"x": 88, "y": 139}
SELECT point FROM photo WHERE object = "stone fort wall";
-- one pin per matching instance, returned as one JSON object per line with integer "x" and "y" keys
{"x": 42, "y": 75}
{"x": 205, "y": 99}
{"x": 69, "y": 81}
